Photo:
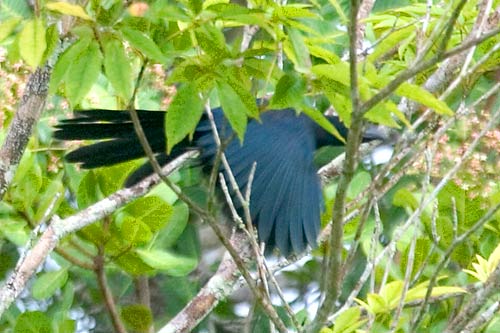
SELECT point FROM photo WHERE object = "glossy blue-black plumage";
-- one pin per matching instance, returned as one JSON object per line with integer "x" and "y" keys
{"x": 286, "y": 200}
{"x": 285, "y": 179}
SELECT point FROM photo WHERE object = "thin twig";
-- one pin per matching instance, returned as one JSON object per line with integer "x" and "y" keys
{"x": 261, "y": 296}
{"x": 107, "y": 295}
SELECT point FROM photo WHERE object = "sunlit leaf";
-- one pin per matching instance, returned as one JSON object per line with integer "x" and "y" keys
{"x": 348, "y": 321}
{"x": 48, "y": 283}
{"x": 172, "y": 264}
{"x": 33, "y": 322}
{"x": 83, "y": 73}
{"x": 322, "y": 121}
{"x": 118, "y": 68}
{"x": 137, "y": 316}
{"x": 68, "y": 9}
{"x": 419, "y": 94}
{"x": 297, "y": 51}
{"x": 289, "y": 92}
{"x": 233, "y": 107}
{"x": 135, "y": 231}
{"x": 150, "y": 210}
{"x": 7, "y": 26}
{"x": 32, "y": 42}
{"x": 144, "y": 44}
{"x": 64, "y": 62}
{"x": 183, "y": 114}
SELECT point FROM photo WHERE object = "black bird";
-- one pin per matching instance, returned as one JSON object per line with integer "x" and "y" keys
{"x": 286, "y": 199}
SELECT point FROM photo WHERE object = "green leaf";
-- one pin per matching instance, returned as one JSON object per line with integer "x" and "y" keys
{"x": 15, "y": 230}
{"x": 262, "y": 69}
{"x": 388, "y": 43}
{"x": 83, "y": 73}
{"x": 424, "y": 97}
{"x": 32, "y": 42}
{"x": 340, "y": 101}
{"x": 68, "y": 9}
{"x": 135, "y": 231}
{"x": 238, "y": 80}
{"x": 493, "y": 326}
{"x": 67, "y": 297}
{"x": 327, "y": 55}
{"x": 359, "y": 183}
{"x": 238, "y": 15}
{"x": 150, "y": 210}
{"x": 32, "y": 322}
{"x": 27, "y": 183}
{"x": 64, "y": 63}
{"x": 52, "y": 39}
{"x": 391, "y": 293}
{"x": 419, "y": 292}
{"x": 143, "y": 44}
{"x": 338, "y": 72}
{"x": 88, "y": 190}
{"x": 137, "y": 316}
{"x": 348, "y": 321}
{"x": 16, "y": 8}
{"x": 195, "y": 5}
{"x": 233, "y": 107}
{"x": 338, "y": 8}
{"x": 9, "y": 255}
{"x": 164, "y": 192}
{"x": 175, "y": 226}
{"x": 118, "y": 68}
{"x": 8, "y": 26}
{"x": 379, "y": 114}
{"x": 48, "y": 283}
{"x": 452, "y": 200}
{"x": 405, "y": 198}
{"x": 422, "y": 254}
{"x": 170, "y": 263}
{"x": 293, "y": 11}
{"x": 133, "y": 264}
{"x": 94, "y": 234}
{"x": 183, "y": 114}
{"x": 393, "y": 108}
{"x": 322, "y": 121}
{"x": 111, "y": 179}
{"x": 51, "y": 198}
{"x": 169, "y": 12}
{"x": 297, "y": 51}
{"x": 376, "y": 303}
{"x": 289, "y": 92}
{"x": 67, "y": 326}
{"x": 212, "y": 41}
{"x": 109, "y": 13}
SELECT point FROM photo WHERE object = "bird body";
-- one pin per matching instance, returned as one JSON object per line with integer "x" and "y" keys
{"x": 286, "y": 200}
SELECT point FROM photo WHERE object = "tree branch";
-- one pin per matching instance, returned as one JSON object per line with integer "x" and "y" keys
{"x": 220, "y": 285}
{"x": 107, "y": 295}
{"x": 21, "y": 127}
{"x": 332, "y": 278}
{"x": 58, "y": 228}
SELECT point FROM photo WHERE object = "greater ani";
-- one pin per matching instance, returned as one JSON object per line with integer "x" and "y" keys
{"x": 286, "y": 199}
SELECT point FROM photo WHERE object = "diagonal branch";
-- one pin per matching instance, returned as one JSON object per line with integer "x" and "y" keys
{"x": 58, "y": 228}
{"x": 21, "y": 127}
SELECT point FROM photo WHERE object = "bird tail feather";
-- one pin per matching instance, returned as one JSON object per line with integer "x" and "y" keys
{"x": 117, "y": 141}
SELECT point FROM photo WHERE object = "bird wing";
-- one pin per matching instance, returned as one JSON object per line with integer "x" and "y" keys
{"x": 286, "y": 199}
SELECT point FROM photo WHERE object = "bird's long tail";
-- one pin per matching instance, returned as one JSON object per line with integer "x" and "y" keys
{"x": 116, "y": 139}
